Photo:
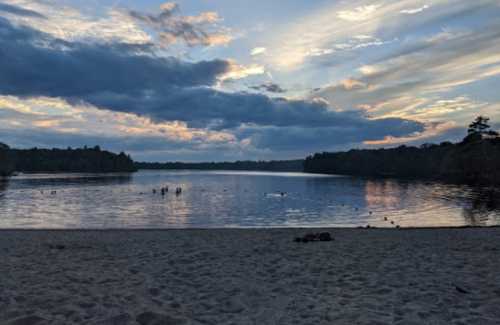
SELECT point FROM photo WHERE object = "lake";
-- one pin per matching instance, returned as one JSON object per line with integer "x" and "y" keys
{"x": 214, "y": 199}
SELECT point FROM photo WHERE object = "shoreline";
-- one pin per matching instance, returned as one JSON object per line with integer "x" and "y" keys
{"x": 312, "y": 229}
{"x": 250, "y": 276}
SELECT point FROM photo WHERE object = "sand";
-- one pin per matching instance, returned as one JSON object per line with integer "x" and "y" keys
{"x": 364, "y": 276}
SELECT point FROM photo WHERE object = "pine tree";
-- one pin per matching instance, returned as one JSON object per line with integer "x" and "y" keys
{"x": 481, "y": 127}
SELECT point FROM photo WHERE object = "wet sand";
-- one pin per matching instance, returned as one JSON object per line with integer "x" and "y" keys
{"x": 364, "y": 276}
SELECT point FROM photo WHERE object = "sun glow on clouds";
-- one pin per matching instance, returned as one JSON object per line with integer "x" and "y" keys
{"x": 432, "y": 130}
{"x": 413, "y": 81}
{"x": 60, "y": 116}
{"x": 258, "y": 51}
{"x": 120, "y": 25}
{"x": 363, "y": 60}
{"x": 237, "y": 71}
{"x": 333, "y": 29}
{"x": 414, "y": 11}
{"x": 70, "y": 24}
{"x": 358, "y": 14}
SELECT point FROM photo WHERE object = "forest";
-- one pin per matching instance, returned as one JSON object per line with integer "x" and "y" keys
{"x": 476, "y": 159}
{"x": 275, "y": 165}
{"x": 85, "y": 160}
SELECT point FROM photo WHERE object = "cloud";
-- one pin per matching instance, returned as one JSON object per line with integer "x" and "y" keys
{"x": 69, "y": 24}
{"x": 51, "y": 122}
{"x": 415, "y": 10}
{"x": 431, "y": 131}
{"x": 237, "y": 71}
{"x": 69, "y": 125}
{"x": 410, "y": 82}
{"x": 76, "y": 70}
{"x": 331, "y": 30}
{"x": 15, "y": 10}
{"x": 269, "y": 87}
{"x": 358, "y": 14}
{"x": 116, "y": 77}
{"x": 192, "y": 30}
{"x": 332, "y": 137}
{"x": 328, "y": 31}
{"x": 258, "y": 51}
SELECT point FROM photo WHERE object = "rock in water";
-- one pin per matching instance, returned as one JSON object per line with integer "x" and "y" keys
{"x": 310, "y": 237}
{"x": 461, "y": 290}
{"x": 325, "y": 236}
{"x": 151, "y": 318}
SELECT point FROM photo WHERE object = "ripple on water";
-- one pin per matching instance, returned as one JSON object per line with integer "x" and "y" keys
{"x": 238, "y": 199}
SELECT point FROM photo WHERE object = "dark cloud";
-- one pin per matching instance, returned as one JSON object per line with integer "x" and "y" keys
{"x": 269, "y": 87}
{"x": 172, "y": 27}
{"x": 204, "y": 107}
{"x": 11, "y": 9}
{"x": 33, "y": 63}
{"x": 326, "y": 138}
{"x": 119, "y": 78}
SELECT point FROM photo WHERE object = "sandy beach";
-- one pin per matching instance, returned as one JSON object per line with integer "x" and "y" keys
{"x": 364, "y": 276}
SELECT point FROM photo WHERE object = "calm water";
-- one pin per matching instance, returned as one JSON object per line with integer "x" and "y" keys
{"x": 238, "y": 199}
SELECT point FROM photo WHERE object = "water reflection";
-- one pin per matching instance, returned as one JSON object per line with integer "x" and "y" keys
{"x": 482, "y": 207}
{"x": 431, "y": 204}
{"x": 37, "y": 180}
{"x": 4, "y": 183}
{"x": 383, "y": 194}
{"x": 238, "y": 199}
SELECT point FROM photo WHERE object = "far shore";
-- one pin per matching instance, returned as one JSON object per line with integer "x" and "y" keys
{"x": 250, "y": 276}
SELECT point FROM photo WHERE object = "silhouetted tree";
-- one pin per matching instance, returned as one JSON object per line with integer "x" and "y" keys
{"x": 481, "y": 126}
{"x": 6, "y": 166}
{"x": 478, "y": 129}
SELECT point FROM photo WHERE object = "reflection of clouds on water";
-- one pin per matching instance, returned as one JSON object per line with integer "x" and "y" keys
{"x": 4, "y": 183}
{"x": 417, "y": 204}
{"x": 37, "y": 180}
{"x": 240, "y": 199}
{"x": 384, "y": 194}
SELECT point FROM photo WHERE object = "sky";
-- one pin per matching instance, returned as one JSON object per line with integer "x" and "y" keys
{"x": 219, "y": 80}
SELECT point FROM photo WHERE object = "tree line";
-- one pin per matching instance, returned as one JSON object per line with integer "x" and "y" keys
{"x": 476, "y": 159}
{"x": 274, "y": 165}
{"x": 86, "y": 160}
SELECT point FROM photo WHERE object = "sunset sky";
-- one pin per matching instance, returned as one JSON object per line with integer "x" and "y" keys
{"x": 211, "y": 80}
